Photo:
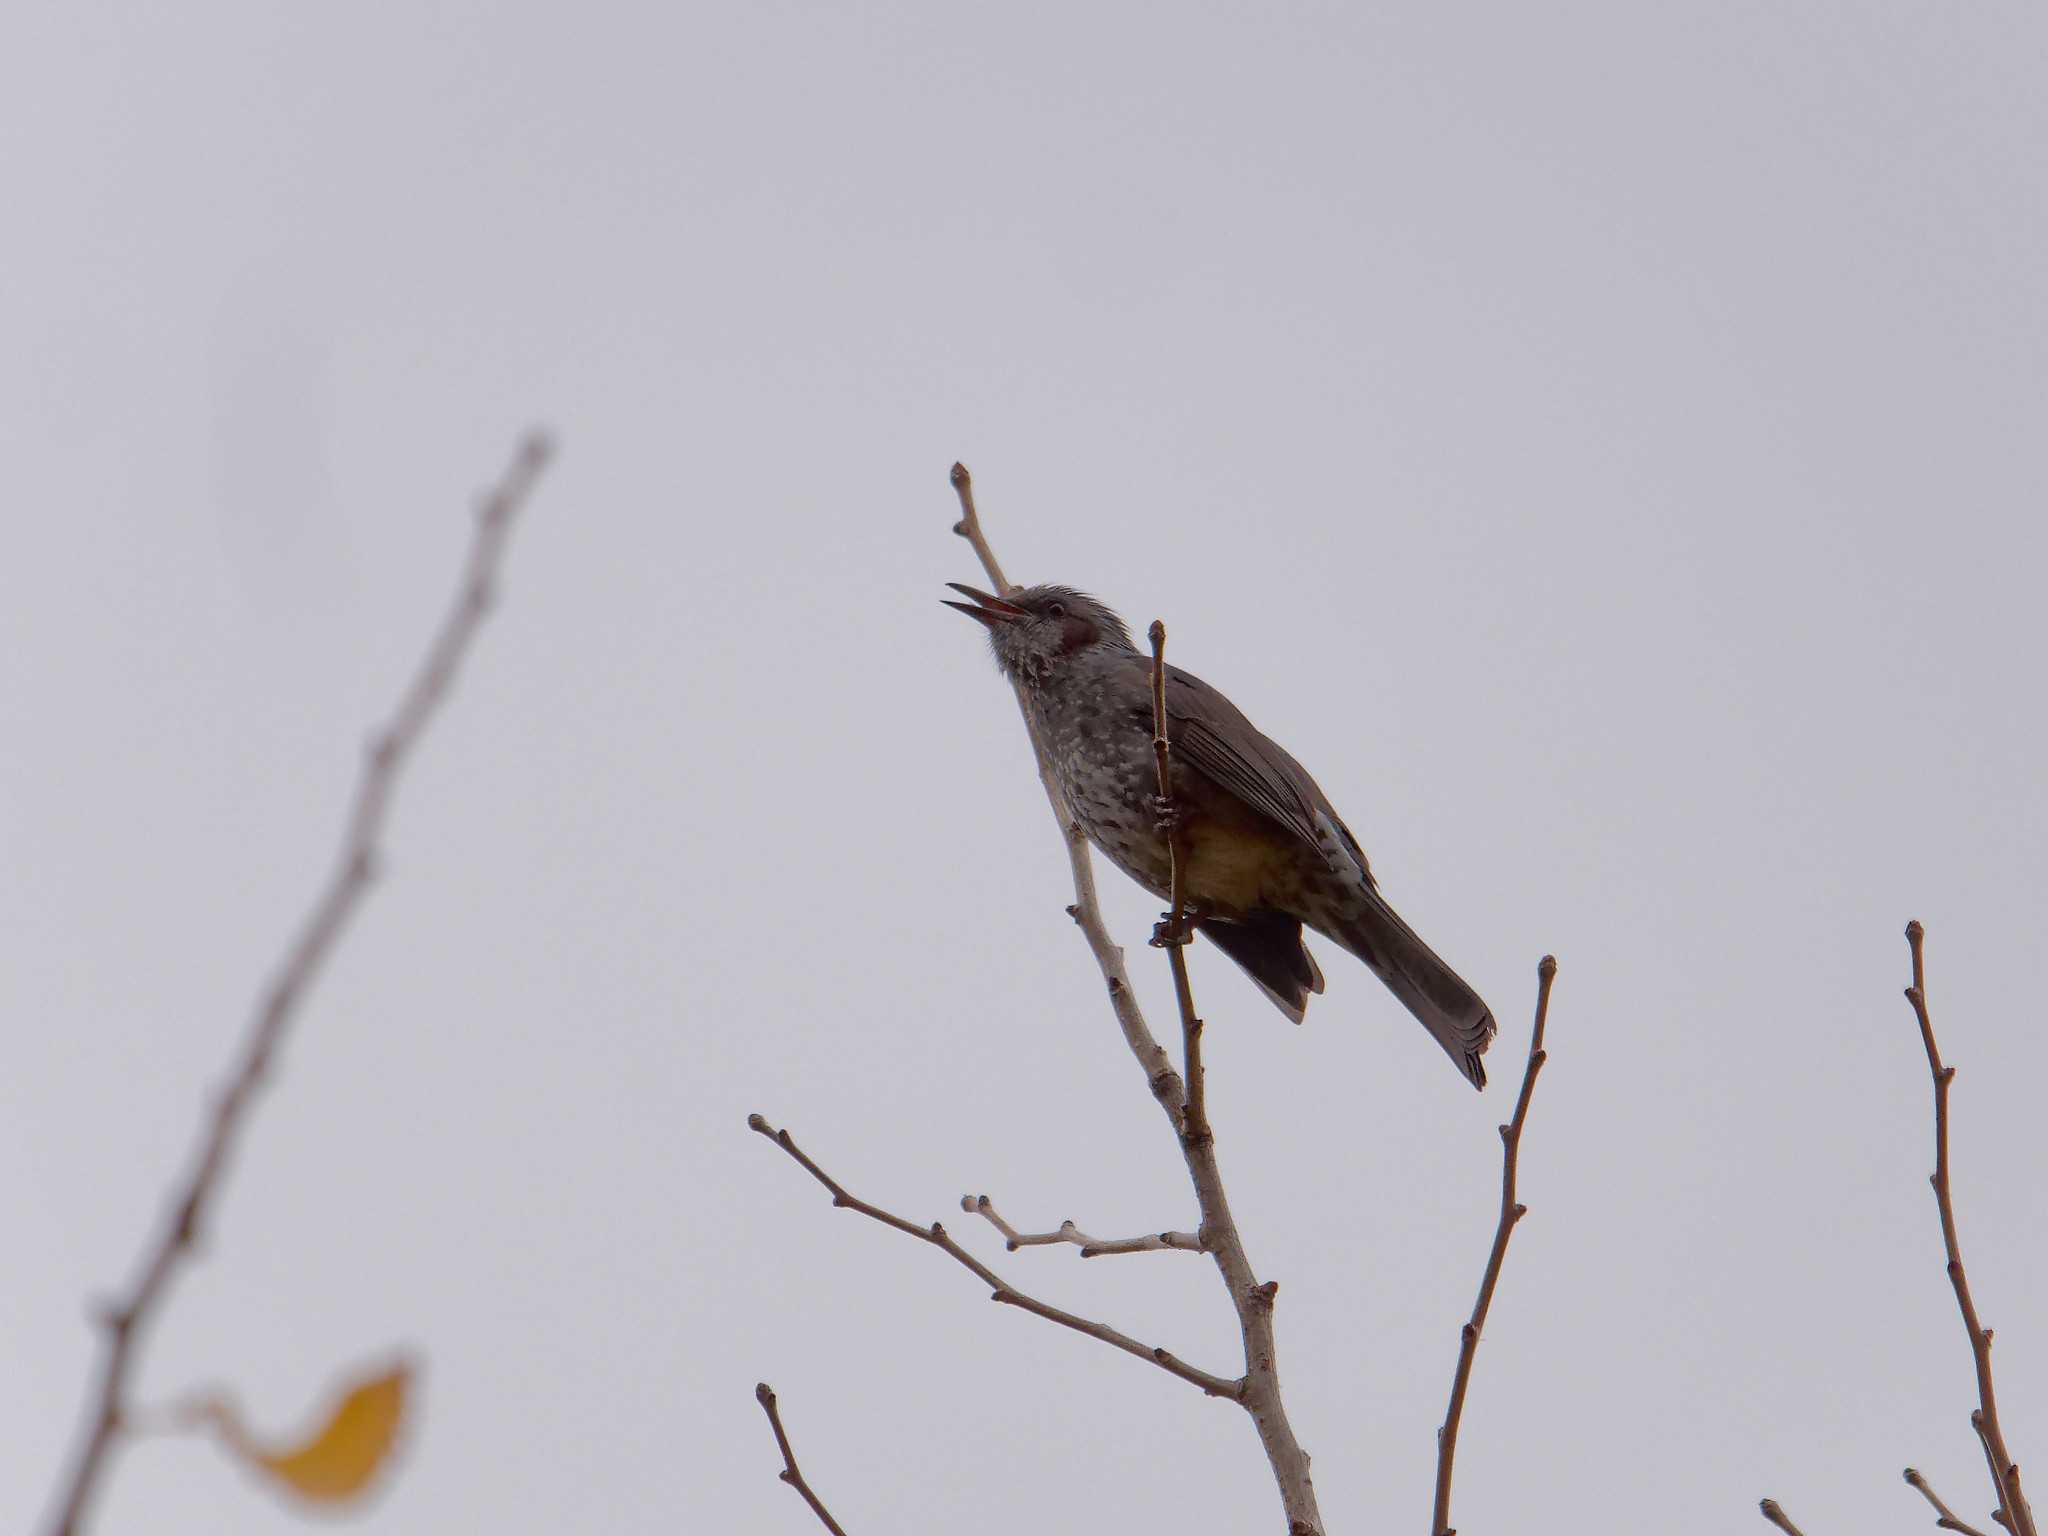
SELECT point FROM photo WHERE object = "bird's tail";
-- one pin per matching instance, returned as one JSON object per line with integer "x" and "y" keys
{"x": 1268, "y": 945}
{"x": 1429, "y": 989}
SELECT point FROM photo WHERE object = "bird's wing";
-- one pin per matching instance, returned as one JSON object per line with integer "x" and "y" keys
{"x": 1215, "y": 738}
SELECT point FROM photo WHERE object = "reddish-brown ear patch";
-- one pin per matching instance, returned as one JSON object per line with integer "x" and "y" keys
{"x": 1077, "y": 633}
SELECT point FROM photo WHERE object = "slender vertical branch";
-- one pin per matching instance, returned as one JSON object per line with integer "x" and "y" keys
{"x": 2013, "y": 1512}
{"x": 127, "y": 1319}
{"x": 1172, "y": 935}
{"x": 969, "y": 528}
{"x": 791, "y": 1473}
{"x": 1252, "y": 1301}
{"x": 1511, "y": 1213}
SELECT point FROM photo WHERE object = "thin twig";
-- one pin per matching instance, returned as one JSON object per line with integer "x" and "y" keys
{"x": 1778, "y": 1517}
{"x": 126, "y": 1320}
{"x": 1511, "y": 1213}
{"x": 969, "y": 528}
{"x": 1945, "y": 1517}
{"x": 1003, "y": 1291}
{"x": 1251, "y": 1301}
{"x": 2013, "y": 1512}
{"x": 1172, "y": 935}
{"x": 1990, "y": 1462}
{"x": 1067, "y": 1232}
{"x": 791, "y": 1473}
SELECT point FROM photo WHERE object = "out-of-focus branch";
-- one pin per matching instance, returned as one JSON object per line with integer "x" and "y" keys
{"x": 2013, "y": 1512}
{"x": 1511, "y": 1212}
{"x": 1252, "y": 1301}
{"x": 1778, "y": 1517}
{"x": 1067, "y": 1232}
{"x": 1001, "y": 1289}
{"x": 791, "y": 1473}
{"x": 1945, "y": 1518}
{"x": 126, "y": 1319}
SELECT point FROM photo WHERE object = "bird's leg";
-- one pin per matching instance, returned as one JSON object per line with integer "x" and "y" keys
{"x": 1166, "y": 933}
{"x": 1175, "y": 927}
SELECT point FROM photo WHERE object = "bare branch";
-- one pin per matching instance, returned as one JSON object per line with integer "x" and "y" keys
{"x": 969, "y": 528}
{"x": 791, "y": 1473}
{"x": 126, "y": 1320}
{"x": 1945, "y": 1517}
{"x": 2013, "y": 1512}
{"x": 1252, "y": 1301}
{"x": 1067, "y": 1232}
{"x": 1003, "y": 1291}
{"x": 1511, "y": 1213}
{"x": 1778, "y": 1517}
{"x": 1173, "y": 935}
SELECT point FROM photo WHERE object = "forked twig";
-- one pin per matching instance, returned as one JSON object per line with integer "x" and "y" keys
{"x": 1250, "y": 1300}
{"x": 1945, "y": 1518}
{"x": 1511, "y": 1212}
{"x": 791, "y": 1473}
{"x": 1067, "y": 1232}
{"x": 1001, "y": 1289}
{"x": 125, "y": 1320}
{"x": 2013, "y": 1512}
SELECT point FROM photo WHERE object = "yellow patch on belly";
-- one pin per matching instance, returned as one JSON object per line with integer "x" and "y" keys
{"x": 1230, "y": 867}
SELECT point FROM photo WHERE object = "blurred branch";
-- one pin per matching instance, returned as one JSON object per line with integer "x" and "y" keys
{"x": 1945, "y": 1517}
{"x": 1003, "y": 1291}
{"x": 126, "y": 1319}
{"x": 1251, "y": 1301}
{"x": 1511, "y": 1213}
{"x": 1778, "y": 1517}
{"x": 1067, "y": 1232}
{"x": 791, "y": 1473}
{"x": 2013, "y": 1512}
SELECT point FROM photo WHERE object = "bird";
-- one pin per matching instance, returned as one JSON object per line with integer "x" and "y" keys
{"x": 1266, "y": 853}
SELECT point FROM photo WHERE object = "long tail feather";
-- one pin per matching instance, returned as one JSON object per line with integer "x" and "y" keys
{"x": 1448, "y": 1008}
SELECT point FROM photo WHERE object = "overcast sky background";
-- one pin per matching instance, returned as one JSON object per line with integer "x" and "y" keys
{"x": 1603, "y": 442}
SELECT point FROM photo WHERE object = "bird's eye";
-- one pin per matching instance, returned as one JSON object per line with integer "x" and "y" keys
{"x": 1057, "y": 610}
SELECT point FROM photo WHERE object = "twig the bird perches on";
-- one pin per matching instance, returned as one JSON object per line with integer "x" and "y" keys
{"x": 1172, "y": 935}
{"x": 791, "y": 1473}
{"x": 1001, "y": 1289}
{"x": 1511, "y": 1212}
{"x": 2013, "y": 1512}
{"x": 1778, "y": 1517}
{"x": 1945, "y": 1518}
{"x": 1067, "y": 1232}
{"x": 1252, "y": 1302}
{"x": 126, "y": 1320}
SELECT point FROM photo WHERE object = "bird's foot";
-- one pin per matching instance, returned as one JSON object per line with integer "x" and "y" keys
{"x": 1166, "y": 815}
{"x": 1168, "y": 933}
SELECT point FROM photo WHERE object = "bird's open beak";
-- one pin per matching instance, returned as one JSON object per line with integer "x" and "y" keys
{"x": 987, "y": 607}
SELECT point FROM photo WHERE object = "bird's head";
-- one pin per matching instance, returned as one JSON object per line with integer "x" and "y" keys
{"x": 1034, "y": 631}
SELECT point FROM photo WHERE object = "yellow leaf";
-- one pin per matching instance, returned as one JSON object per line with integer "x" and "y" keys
{"x": 338, "y": 1462}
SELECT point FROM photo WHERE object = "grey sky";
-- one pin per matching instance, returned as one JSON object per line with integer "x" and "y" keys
{"x": 1602, "y": 441}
